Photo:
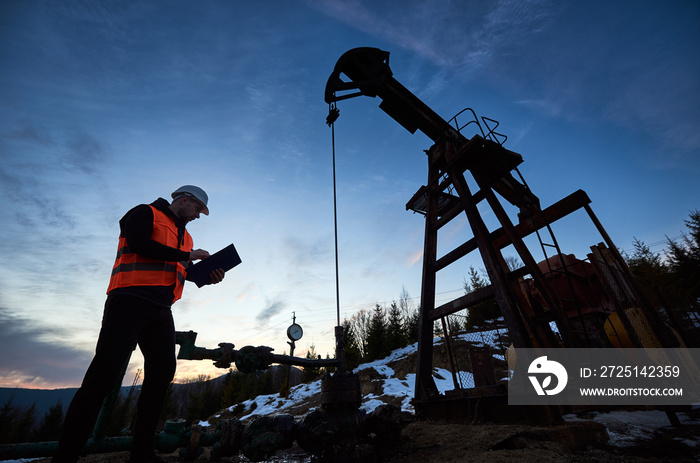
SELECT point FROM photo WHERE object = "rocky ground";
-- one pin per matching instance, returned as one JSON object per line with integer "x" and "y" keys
{"x": 440, "y": 442}
{"x": 428, "y": 442}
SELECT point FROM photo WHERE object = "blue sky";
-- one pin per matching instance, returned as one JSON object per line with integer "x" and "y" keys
{"x": 109, "y": 104}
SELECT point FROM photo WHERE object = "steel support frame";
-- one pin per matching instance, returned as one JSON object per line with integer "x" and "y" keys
{"x": 490, "y": 252}
{"x": 445, "y": 169}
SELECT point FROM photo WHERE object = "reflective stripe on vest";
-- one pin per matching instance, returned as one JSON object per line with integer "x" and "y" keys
{"x": 131, "y": 269}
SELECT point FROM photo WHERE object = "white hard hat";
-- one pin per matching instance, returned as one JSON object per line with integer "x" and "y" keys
{"x": 194, "y": 191}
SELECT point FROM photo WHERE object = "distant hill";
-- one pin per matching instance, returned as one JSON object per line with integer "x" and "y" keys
{"x": 43, "y": 398}
{"x": 47, "y": 398}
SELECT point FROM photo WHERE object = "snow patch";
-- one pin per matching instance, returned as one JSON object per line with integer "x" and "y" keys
{"x": 625, "y": 427}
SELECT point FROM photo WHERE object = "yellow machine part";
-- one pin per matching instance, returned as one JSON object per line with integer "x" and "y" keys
{"x": 616, "y": 332}
{"x": 620, "y": 338}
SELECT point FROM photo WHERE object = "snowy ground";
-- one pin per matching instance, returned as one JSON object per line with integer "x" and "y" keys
{"x": 401, "y": 388}
{"x": 624, "y": 428}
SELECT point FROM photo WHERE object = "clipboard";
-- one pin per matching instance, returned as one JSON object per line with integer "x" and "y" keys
{"x": 225, "y": 259}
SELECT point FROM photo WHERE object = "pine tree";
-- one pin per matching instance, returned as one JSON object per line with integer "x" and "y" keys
{"x": 395, "y": 333}
{"x": 9, "y": 415}
{"x": 479, "y": 313}
{"x": 310, "y": 373}
{"x": 650, "y": 270}
{"x": 230, "y": 390}
{"x": 352, "y": 352}
{"x": 50, "y": 427}
{"x": 22, "y": 431}
{"x": 410, "y": 315}
{"x": 672, "y": 283}
{"x": 239, "y": 387}
{"x": 195, "y": 404}
{"x": 263, "y": 384}
{"x": 684, "y": 261}
{"x": 644, "y": 261}
{"x": 376, "y": 336}
{"x": 411, "y": 326}
{"x": 170, "y": 407}
{"x": 199, "y": 398}
{"x": 122, "y": 415}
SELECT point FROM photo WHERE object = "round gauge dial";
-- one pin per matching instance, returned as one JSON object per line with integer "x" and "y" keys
{"x": 294, "y": 332}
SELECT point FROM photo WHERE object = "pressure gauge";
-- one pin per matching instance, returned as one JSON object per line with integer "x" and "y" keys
{"x": 294, "y": 332}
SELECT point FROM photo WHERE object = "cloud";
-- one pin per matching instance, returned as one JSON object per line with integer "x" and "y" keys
{"x": 31, "y": 134}
{"x": 34, "y": 361}
{"x": 662, "y": 102}
{"x": 85, "y": 152}
{"x": 272, "y": 308}
{"x": 398, "y": 30}
{"x": 456, "y": 34}
{"x": 305, "y": 252}
{"x": 53, "y": 181}
{"x": 40, "y": 164}
{"x": 246, "y": 292}
{"x": 548, "y": 107}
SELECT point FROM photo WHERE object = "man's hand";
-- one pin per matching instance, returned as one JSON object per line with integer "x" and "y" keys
{"x": 216, "y": 276}
{"x": 198, "y": 254}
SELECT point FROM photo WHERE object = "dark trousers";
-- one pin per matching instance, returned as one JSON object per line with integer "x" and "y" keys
{"x": 127, "y": 321}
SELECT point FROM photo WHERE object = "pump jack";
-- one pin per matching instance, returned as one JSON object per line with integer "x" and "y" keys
{"x": 529, "y": 298}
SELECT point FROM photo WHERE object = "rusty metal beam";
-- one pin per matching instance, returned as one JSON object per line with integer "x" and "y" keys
{"x": 499, "y": 238}
{"x": 425, "y": 384}
{"x": 461, "y": 303}
{"x": 495, "y": 266}
{"x": 475, "y": 297}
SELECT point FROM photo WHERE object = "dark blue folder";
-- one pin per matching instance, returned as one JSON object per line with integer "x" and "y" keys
{"x": 225, "y": 259}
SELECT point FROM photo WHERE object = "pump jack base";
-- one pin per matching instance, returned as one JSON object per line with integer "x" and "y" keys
{"x": 481, "y": 405}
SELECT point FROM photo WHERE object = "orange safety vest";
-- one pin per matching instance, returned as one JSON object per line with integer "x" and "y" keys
{"x": 131, "y": 269}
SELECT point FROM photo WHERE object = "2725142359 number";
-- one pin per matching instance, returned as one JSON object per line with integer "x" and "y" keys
{"x": 646, "y": 371}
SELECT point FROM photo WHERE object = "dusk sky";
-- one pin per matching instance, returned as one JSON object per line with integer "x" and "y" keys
{"x": 109, "y": 104}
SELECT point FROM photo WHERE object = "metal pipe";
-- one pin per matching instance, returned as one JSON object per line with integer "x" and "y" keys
{"x": 173, "y": 436}
{"x": 262, "y": 356}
